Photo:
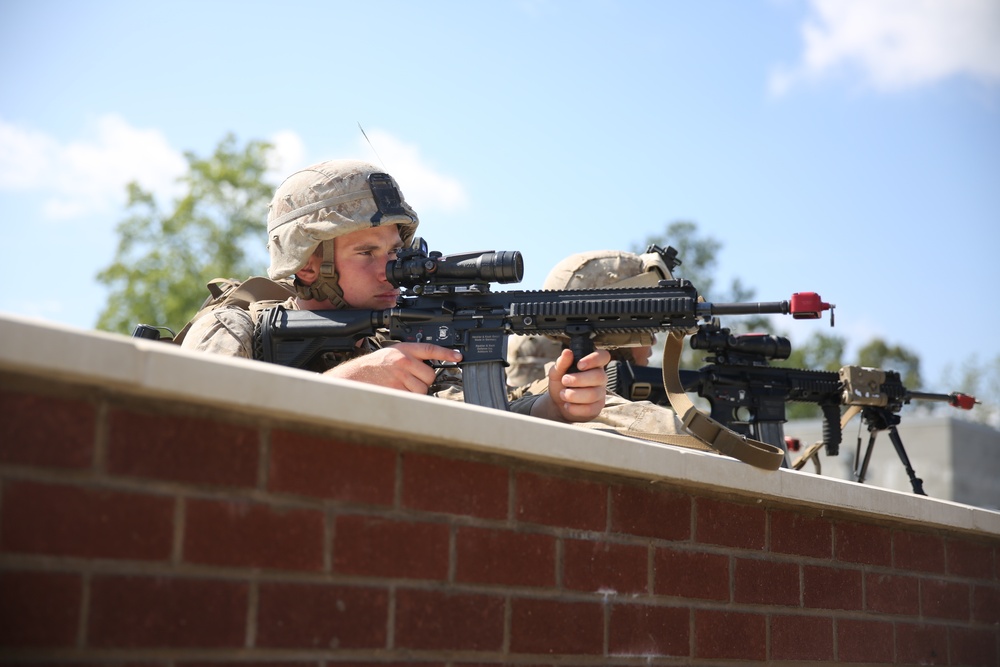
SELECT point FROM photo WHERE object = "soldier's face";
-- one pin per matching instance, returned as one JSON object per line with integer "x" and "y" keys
{"x": 360, "y": 258}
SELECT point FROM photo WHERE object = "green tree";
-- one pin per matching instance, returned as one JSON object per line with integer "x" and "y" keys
{"x": 976, "y": 378}
{"x": 697, "y": 254}
{"x": 821, "y": 352}
{"x": 216, "y": 229}
{"x": 880, "y": 354}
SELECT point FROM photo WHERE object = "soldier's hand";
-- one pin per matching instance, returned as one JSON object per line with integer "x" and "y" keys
{"x": 575, "y": 397}
{"x": 401, "y": 366}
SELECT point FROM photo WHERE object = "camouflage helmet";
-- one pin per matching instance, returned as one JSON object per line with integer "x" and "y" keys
{"x": 317, "y": 204}
{"x": 528, "y": 355}
{"x": 606, "y": 269}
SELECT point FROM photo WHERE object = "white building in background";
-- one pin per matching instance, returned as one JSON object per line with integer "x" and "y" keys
{"x": 957, "y": 460}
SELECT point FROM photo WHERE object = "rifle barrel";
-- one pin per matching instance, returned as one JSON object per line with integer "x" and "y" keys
{"x": 748, "y": 308}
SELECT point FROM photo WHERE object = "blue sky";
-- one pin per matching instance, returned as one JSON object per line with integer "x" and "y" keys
{"x": 849, "y": 147}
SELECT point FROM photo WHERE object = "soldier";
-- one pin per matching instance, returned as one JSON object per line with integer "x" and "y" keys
{"x": 332, "y": 228}
{"x": 527, "y": 356}
{"x": 532, "y": 357}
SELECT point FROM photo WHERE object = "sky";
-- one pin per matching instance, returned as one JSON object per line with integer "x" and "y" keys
{"x": 845, "y": 147}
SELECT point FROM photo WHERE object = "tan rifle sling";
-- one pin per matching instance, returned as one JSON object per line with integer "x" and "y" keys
{"x": 706, "y": 433}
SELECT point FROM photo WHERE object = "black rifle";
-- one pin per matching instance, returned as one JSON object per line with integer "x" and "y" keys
{"x": 448, "y": 302}
{"x": 748, "y": 395}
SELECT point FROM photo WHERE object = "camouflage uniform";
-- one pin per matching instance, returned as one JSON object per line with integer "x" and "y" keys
{"x": 531, "y": 357}
{"x": 309, "y": 210}
{"x": 229, "y": 330}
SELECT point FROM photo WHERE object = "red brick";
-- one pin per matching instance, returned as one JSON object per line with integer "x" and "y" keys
{"x": 801, "y": 638}
{"x": 766, "y": 582}
{"x": 735, "y": 635}
{"x": 566, "y": 503}
{"x": 39, "y": 609}
{"x": 436, "y": 484}
{"x": 831, "y": 588}
{"x": 863, "y": 543}
{"x": 46, "y": 431}
{"x": 729, "y": 524}
{"x": 247, "y": 534}
{"x": 800, "y": 535}
{"x": 602, "y": 566}
{"x": 892, "y": 594}
{"x": 374, "y": 546}
{"x": 976, "y": 647}
{"x": 945, "y": 599}
{"x": 444, "y": 621}
{"x": 182, "y": 449}
{"x": 61, "y": 520}
{"x": 918, "y": 551}
{"x": 921, "y": 644}
{"x": 327, "y": 468}
{"x": 556, "y": 627}
{"x": 651, "y": 512}
{"x": 986, "y": 604}
{"x": 166, "y": 612}
{"x": 305, "y": 616}
{"x": 487, "y": 556}
{"x": 970, "y": 559}
{"x": 642, "y": 630}
{"x": 864, "y": 641}
{"x": 691, "y": 574}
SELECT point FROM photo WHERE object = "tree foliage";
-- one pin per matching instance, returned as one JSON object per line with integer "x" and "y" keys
{"x": 981, "y": 379}
{"x": 215, "y": 229}
{"x": 698, "y": 255}
{"x": 820, "y": 352}
{"x": 879, "y": 354}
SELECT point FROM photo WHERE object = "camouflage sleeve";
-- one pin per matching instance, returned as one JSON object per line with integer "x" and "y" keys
{"x": 227, "y": 331}
{"x": 522, "y": 406}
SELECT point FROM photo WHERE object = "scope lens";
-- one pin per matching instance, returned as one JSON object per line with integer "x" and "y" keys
{"x": 505, "y": 266}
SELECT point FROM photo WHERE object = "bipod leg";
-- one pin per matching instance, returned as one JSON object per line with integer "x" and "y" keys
{"x": 859, "y": 473}
{"x": 897, "y": 442}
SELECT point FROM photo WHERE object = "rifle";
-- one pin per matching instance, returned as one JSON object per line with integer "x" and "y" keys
{"x": 748, "y": 395}
{"x": 447, "y": 301}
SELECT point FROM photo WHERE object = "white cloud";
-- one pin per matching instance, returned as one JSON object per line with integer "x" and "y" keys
{"x": 423, "y": 186}
{"x": 89, "y": 175}
{"x": 24, "y": 155}
{"x": 288, "y": 155}
{"x": 899, "y": 44}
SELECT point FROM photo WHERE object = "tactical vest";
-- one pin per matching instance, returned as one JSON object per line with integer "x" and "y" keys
{"x": 250, "y": 295}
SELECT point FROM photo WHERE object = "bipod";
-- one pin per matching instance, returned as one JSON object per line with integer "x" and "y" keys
{"x": 881, "y": 419}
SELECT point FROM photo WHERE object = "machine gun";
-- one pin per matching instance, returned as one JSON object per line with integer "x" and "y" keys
{"x": 447, "y": 301}
{"x": 748, "y": 395}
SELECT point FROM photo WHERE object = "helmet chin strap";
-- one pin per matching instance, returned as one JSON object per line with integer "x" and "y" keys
{"x": 327, "y": 285}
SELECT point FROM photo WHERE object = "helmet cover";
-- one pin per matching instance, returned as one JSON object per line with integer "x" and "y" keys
{"x": 608, "y": 269}
{"x": 317, "y": 204}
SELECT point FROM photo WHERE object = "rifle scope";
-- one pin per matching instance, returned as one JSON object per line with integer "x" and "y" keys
{"x": 721, "y": 341}
{"x": 416, "y": 267}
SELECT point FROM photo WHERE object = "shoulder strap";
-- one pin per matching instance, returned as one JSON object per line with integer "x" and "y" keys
{"x": 228, "y": 292}
{"x": 257, "y": 288}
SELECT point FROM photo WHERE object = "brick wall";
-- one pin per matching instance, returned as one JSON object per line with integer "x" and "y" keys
{"x": 141, "y": 531}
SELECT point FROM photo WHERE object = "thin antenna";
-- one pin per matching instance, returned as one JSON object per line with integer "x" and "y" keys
{"x": 371, "y": 145}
